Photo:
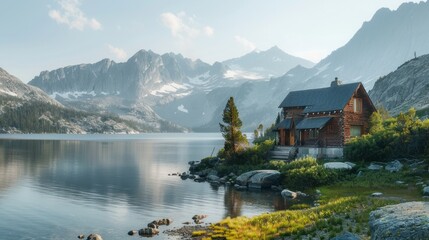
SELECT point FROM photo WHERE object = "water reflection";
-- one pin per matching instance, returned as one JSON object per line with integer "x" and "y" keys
{"x": 111, "y": 186}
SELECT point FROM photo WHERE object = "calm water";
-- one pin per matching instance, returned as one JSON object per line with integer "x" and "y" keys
{"x": 60, "y": 186}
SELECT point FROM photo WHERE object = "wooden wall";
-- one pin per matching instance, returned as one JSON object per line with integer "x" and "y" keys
{"x": 359, "y": 119}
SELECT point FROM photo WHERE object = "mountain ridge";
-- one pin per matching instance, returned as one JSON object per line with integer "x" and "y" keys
{"x": 405, "y": 87}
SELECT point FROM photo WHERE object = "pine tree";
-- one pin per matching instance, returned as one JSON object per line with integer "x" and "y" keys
{"x": 261, "y": 130}
{"x": 277, "y": 119}
{"x": 234, "y": 139}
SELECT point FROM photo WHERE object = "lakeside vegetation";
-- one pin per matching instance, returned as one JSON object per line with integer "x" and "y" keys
{"x": 345, "y": 201}
{"x": 394, "y": 137}
{"x": 344, "y": 206}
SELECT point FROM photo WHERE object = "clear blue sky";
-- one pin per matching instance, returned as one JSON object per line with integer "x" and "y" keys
{"x": 39, "y": 35}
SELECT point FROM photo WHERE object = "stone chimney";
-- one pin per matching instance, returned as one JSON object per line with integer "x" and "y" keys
{"x": 335, "y": 83}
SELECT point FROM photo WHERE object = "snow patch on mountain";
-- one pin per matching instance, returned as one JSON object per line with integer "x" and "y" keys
{"x": 239, "y": 74}
{"x": 182, "y": 108}
{"x": 8, "y": 93}
{"x": 169, "y": 88}
{"x": 200, "y": 80}
{"x": 322, "y": 69}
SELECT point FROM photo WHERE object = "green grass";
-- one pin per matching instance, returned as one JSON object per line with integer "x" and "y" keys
{"x": 345, "y": 206}
{"x": 297, "y": 223}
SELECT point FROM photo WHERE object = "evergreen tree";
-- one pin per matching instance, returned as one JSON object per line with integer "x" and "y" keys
{"x": 255, "y": 133}
{"x": 278, "y": 119}
{"x": 261, "y": 130}
{"x": 234, "y": 139}
{"x": 376, "y": 123}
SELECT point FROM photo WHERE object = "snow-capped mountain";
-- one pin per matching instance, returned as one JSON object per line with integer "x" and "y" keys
{"x": 257, "y": 65}
{"x": 132, "y": 88}
{"x": 406, "y": 87}
{"x": 146, "y": 75}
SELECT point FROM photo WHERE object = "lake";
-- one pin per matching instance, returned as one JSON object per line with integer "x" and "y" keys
{"x": 60, "y": 186}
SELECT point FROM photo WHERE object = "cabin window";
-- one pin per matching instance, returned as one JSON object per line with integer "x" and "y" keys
{"x": 357, "y": 105}
{"x": 355, "y": 131}
{"x": 314, "y": 133}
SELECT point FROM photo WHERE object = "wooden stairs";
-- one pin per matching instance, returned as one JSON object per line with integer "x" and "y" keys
{"x": 283, "y": 153}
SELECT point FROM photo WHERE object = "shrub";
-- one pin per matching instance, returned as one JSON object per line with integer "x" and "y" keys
{"x": 402, "y": 136}
{"x": 306, "y": 173}
{"x": 256, "y": 154}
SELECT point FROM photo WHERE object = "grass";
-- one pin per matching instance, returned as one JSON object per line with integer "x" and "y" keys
{"x": 297, "y": 223}
{"x": 345, "y": 206}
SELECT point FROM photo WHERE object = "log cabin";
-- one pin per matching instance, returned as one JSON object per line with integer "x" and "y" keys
{"x": 320, "y": 121}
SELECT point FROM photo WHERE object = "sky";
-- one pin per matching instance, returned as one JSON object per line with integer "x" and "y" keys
{"x": 41, "y": 35}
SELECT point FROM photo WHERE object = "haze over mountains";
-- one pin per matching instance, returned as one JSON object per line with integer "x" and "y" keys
{"x": 27, "y": 109}
{"x": 157, "y": 89}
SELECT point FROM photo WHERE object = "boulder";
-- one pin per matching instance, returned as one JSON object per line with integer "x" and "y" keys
{"x": 377, "y": 194}
{"x": 350, "y": 164}
{"x": 223, "y": 179}
{"x": 94, "y": 236}
{"x": 213, "y": 178}
{"x": 184, "y": 176}
{"x": 147, "y": 232}
{"x": 394, "y": 166}
{"x": 426, "y": 191}
{"x": 347, "y": 236}
{"x": 164, "y": 221}
{"x": 199, "y": 217}
{"x": 81, "y": 236}
{"x": 153, "y": 224}
{"x": 401, "y": 221}
{"x": 375, "y": 166}
{"x": 259, "y": 178}
{"x": 288, "y": 194}
{"x": 239, "y": 187}
{"x": 337, "y": 165}
{"x": 132, "y": 232}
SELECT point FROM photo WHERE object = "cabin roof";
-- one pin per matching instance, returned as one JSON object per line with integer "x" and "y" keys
{"x": 321, "y": 99}
{"x": 285, "y": 124}
{"x": 311, "y": 123}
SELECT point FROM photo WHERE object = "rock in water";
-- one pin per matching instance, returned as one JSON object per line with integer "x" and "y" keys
{"x": 94, "y": 236}
{"x": 147, "y": 232}
{"x": 405, "y": 221}
{"x": 288, "y": 194}
{"x": 259, "y": 178}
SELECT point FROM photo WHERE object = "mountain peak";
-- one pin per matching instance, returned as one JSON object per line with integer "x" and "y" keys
{"x": 271, "y": 62}
{"x": 275, "y": 48}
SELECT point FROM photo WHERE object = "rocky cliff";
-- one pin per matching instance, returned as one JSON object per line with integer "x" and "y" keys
{"x": 406, "y": 87}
